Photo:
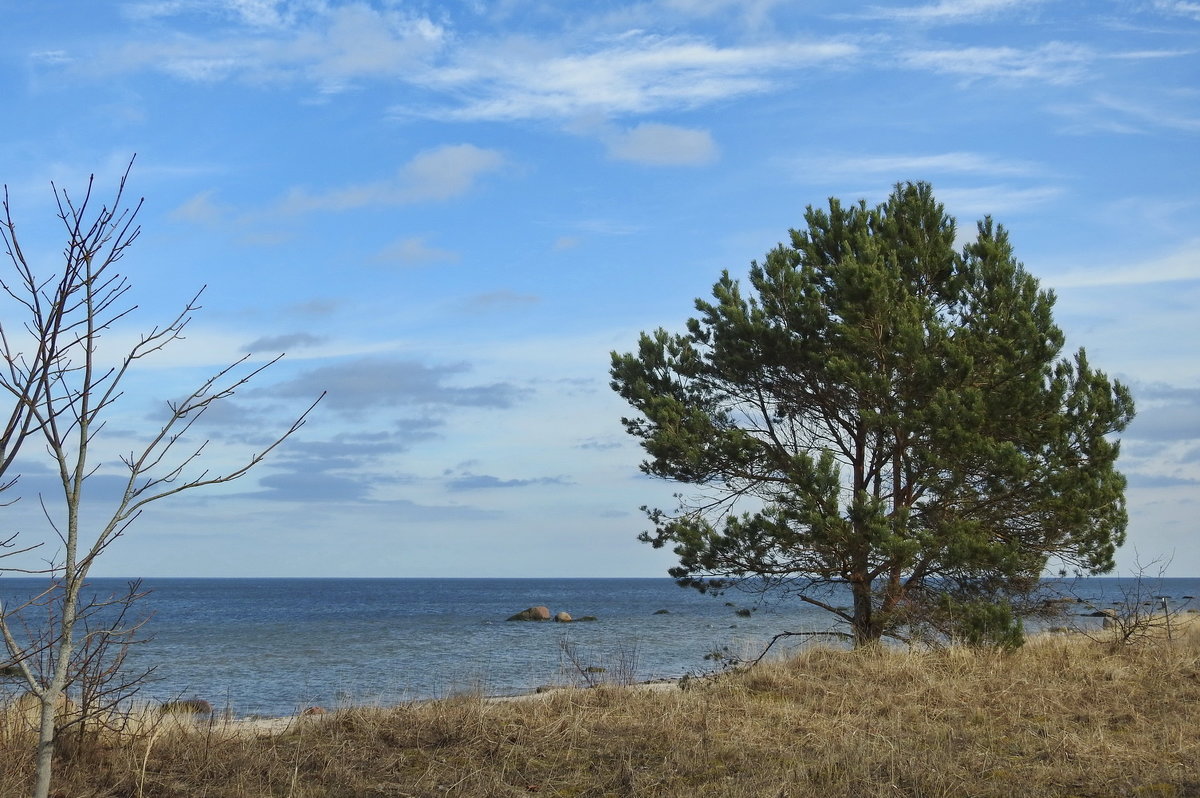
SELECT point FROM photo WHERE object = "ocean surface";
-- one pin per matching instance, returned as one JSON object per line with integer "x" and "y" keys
{"x": 274, "y": 646}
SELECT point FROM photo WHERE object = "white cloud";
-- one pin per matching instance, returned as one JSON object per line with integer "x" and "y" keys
{"x": 1152, "y": 108}
{"x": 250, "y": 12}
{"x": 431, "y": 176}
{"x": 1054, "y": 62}
{"x": 948, "y": 11}
{"x": 331, "y": 50}
{"x": 1146, "y": 113}
{"x": 636, "y": 73}
{"x": 362, "y": 42}
{"x": 1181, "y": 264}
{"x": 258, "y": 12}
{"x": 915, "y": 167}
{"x": 1186, "y": 8}
{"x": 1150, "y": 55}
{"x": 995, "y": 200}
{"x": 752, "y": 13}
{"x": 662, "y": 145}
{"x": 333, "y": 47}
{"x": 51, "y": 57}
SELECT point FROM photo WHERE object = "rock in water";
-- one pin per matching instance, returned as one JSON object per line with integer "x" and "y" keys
{"x": 532, "y": 614}
{"x": 563, "y": 617}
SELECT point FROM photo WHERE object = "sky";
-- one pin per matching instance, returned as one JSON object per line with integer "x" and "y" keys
{"x": 447, "y": 215}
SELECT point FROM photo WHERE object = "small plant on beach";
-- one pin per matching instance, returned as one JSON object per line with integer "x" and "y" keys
{"x": 621, "y": 670}
{"x": 64, "y": 381}
{"x": 1142, "y": 614}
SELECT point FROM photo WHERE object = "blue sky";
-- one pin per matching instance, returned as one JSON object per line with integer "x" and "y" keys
{"x": 448, "y": 214}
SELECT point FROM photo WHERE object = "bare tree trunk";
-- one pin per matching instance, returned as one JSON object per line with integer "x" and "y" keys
{"x": 45, "y": 746}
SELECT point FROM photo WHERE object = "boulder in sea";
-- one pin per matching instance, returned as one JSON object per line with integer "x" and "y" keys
{"x": 583, "y": 618}
{"x": 563, "y": 617}
{"x": 662, "y": 612}
{"x": 532, "y": 614}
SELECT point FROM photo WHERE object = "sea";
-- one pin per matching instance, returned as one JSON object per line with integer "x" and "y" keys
{"x": 272, "y": 647}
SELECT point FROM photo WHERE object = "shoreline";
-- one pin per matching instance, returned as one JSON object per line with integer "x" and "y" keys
{"x": 283, "y": 724}
{"x": 275, "y": 725}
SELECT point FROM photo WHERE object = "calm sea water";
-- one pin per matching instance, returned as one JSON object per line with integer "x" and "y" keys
{"x": 271, "y": 646}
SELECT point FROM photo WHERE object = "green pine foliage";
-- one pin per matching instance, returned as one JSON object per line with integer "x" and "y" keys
{"x": 879, "y": 410}
{"x": 982, "y": 624}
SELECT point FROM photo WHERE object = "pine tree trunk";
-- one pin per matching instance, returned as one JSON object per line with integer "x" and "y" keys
{"x": 866, "y": 630}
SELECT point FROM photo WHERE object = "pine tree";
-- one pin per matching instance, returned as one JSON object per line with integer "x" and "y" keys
{"x": 883, "y": 412}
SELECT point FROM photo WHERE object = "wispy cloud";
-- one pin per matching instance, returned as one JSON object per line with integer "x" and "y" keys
{"x": 976, "y": 201}
{"x": 280, "y": 343}
{"x": 488, "y": 482}
{"x": 51, "y": 57}
{"x": 458, "y": 76}
{"x": 1147, "y": 114}
{"x": 634, "y": 73}
{"x": 597, "y": 444}
{"x": 1180, "y": 264}
{"x": 431, "y": 176}
{"x": 947, "y": 11}
{"x": 901, "y": 167}
{"x": 1172, "y": 421}
{"x": 1054, "y": 62}
{"x": 1185, "y": 8}
{"x": 753, "y": 14}
{"x": 365, "y": 384}
{"x": 346, "y": 466}
{"x": 330, "y": 48}
{"x": 266, "y": 13}
{"x": 1137, "y": 479}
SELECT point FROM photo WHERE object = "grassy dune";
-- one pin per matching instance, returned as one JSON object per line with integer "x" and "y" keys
{"x": 1062, "y": 716}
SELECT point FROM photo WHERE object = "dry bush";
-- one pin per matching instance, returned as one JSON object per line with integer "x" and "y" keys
{"x": 1062, "y": 716}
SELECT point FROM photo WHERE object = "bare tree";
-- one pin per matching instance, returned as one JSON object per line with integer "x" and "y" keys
{"x": 99, "y": 688}
{"x": 63, "y": 389}
{"x": 1142, "y": 614}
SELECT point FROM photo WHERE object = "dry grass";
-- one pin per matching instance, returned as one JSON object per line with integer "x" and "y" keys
{"x": 1062, "y": 716}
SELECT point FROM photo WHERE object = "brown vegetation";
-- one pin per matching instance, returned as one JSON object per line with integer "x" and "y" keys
{"x": 1062, "y": 716}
